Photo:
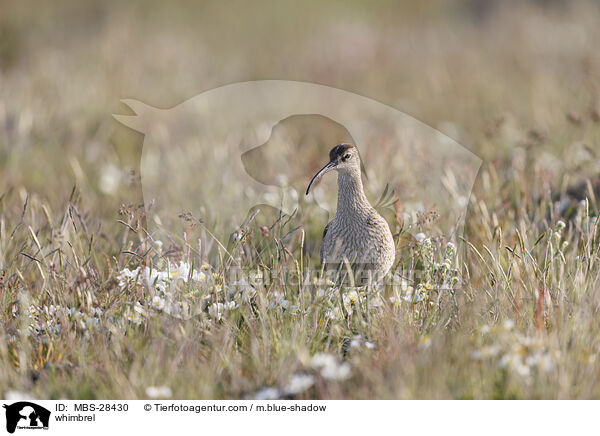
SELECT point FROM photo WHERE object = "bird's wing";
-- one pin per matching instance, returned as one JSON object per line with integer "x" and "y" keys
{"x": 321, "y": 249}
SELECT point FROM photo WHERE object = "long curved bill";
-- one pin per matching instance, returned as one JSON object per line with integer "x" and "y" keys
{"x": 322, "y": 171}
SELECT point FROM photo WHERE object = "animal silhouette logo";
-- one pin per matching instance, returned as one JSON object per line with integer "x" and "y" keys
{"x": 227, "y": 151}
{"x": 26, "y": 415}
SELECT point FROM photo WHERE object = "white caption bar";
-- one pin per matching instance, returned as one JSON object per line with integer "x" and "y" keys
{"x": 300, "y": 417}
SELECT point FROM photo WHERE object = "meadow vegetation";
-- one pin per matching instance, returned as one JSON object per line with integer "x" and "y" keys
{"x": 93, "y": 306}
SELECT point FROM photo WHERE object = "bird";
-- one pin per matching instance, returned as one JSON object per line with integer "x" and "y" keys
{"x": 357, "y": 234}
{"x": 568, "y": 203}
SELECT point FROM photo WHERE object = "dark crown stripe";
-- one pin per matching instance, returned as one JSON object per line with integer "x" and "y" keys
{"x": 339, "y": 150}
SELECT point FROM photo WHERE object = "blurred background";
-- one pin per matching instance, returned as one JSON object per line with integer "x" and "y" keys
{"x": 516, "y": 82}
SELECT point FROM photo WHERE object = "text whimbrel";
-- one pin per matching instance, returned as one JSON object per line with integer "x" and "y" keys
{"x": 357, "y": 234}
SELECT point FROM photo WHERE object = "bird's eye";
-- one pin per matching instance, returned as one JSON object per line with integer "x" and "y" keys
{"x": 346, "y": 157}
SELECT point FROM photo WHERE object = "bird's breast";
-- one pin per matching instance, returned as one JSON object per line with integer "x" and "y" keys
{"x": 359, "y": 239}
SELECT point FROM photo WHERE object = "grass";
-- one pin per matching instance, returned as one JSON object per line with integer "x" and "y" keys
{"x": 518, "y": 86}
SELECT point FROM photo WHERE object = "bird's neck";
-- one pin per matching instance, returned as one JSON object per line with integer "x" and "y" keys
{"x": 351, "y": 196}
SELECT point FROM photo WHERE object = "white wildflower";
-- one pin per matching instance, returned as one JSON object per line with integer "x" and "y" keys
{"x": 424, "y": 343}
{"x": 158, "y": 303}
{"x": 12, "y": 395}
{"x": 198, "y": 276}
{"x": 155, "y": 392}
{"x": 329, "y": 367}
{"x": 110, "y": 178}
{"x": 216, "y": 310}
{"x": 359, "y": 341}
{"x": 298, "y": 383}
{"x": 134, "y": 317}
{"x": 338, "y": 372}
{"x": 267, "y": 393}
{"x": 509, "y": 324}
{"x": 351, "y": 299}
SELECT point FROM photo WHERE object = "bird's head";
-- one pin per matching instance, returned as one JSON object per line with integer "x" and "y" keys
{"x": 342, "y": 157}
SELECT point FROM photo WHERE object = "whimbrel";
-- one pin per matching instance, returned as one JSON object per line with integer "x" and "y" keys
{"x": 357, "y": 234}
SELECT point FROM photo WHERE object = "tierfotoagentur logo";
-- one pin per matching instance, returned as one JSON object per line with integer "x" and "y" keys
{"x": 243, "y": 154}
{"x": 231, "y": 152}
{"x": 26, "y": 415}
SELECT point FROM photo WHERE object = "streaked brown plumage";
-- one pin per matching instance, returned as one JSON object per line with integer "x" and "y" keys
{"x": 357, "y": 234}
